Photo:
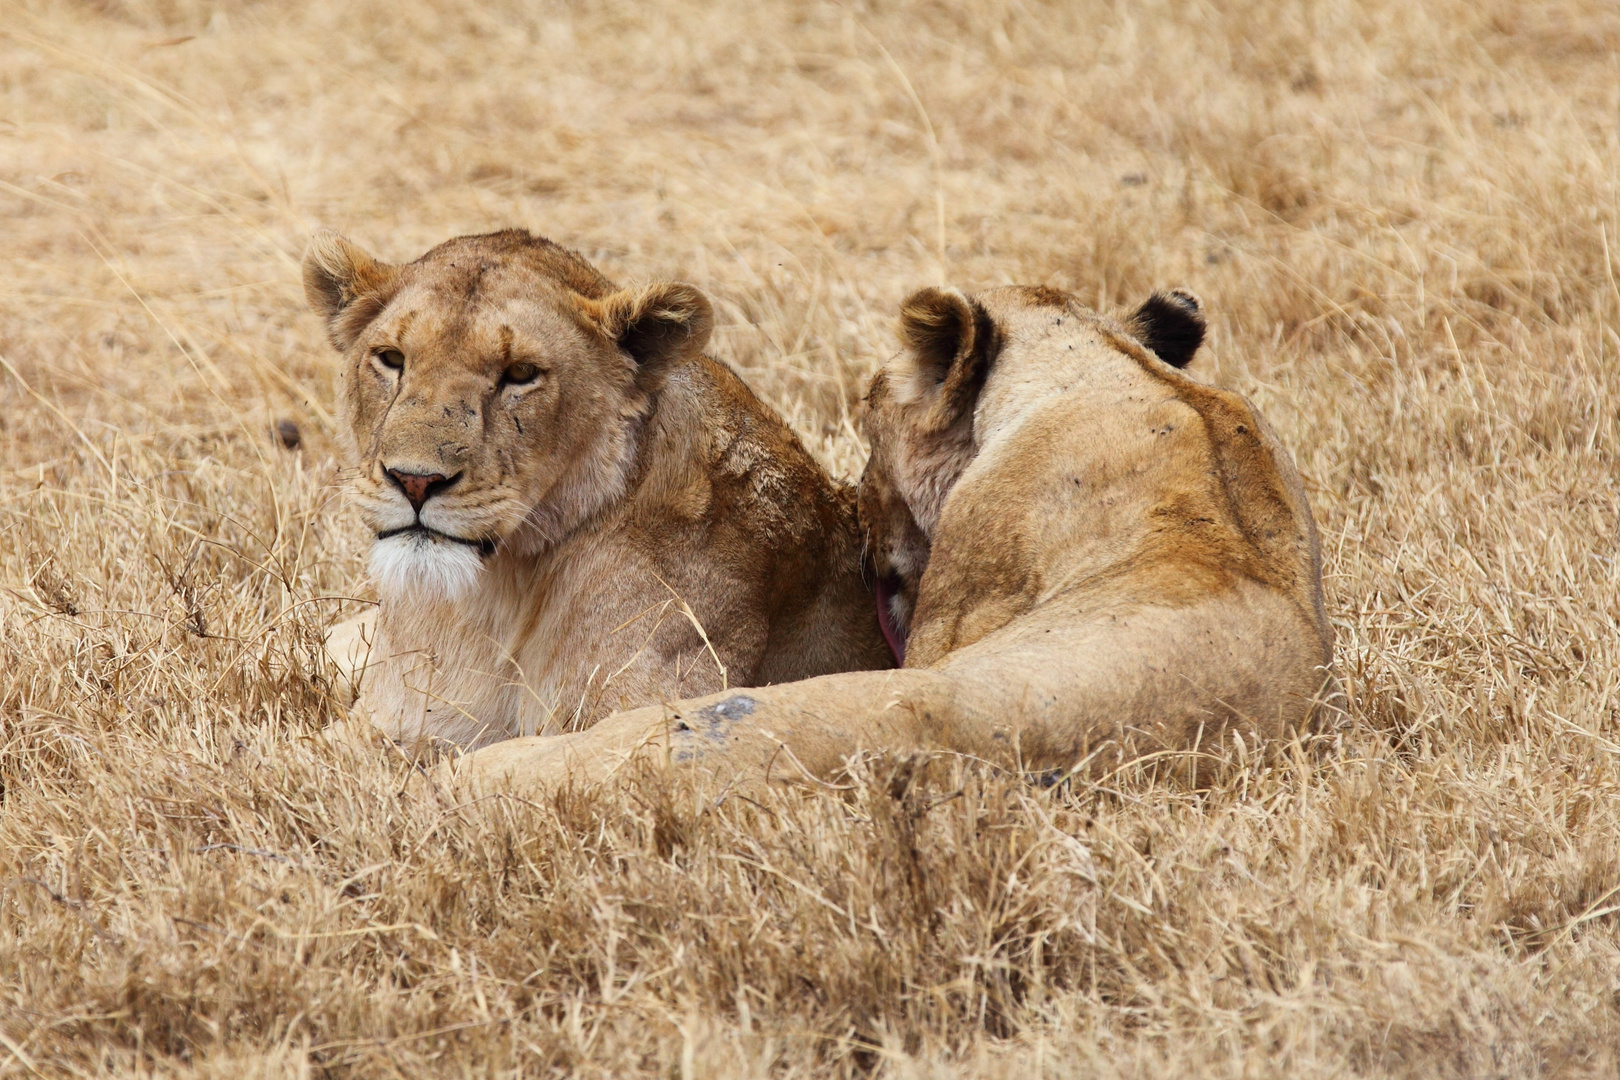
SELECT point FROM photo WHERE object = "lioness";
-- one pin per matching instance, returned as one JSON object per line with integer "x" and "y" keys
{"x": 1084, "y": 551}
{"x": 575, "y": 510}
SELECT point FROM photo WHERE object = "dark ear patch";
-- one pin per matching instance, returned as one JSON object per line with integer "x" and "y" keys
{"x": 1171, "y": 324}
{"x": 658, "y": 324}
{"x": 949, "y": 343}
{"x": 935, "y": 325}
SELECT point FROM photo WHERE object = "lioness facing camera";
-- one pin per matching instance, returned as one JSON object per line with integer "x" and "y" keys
{"x": 1087, "y": 554}
{"x": 575, "y": 510}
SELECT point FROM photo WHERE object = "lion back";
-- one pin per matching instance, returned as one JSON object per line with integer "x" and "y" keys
{"x": 1266, "y": 498}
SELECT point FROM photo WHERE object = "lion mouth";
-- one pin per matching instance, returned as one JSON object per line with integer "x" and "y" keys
{"x": 486, "y": 548}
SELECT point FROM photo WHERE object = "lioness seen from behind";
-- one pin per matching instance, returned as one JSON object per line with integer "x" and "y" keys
{"x": 575, "y": 509}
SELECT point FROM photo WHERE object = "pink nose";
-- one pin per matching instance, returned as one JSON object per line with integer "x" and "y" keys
{"x": 420, "y": 487}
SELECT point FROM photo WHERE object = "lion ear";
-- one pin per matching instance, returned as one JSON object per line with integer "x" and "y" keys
{"x": 1171, "y": 324}
{"x": 949, "y": 342}
{"x": 345, "y": 286}
{"x": 659, "y": 324}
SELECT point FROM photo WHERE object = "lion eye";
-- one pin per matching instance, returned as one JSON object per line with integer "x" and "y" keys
{"x": 390, "y": 358}
{"x": 520, "y": 374}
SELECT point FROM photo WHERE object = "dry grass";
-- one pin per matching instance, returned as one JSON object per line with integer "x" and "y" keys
{"x": 1401, "y": 215}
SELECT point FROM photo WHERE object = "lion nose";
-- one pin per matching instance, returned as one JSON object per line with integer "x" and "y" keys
{"x": 420, "y": 487}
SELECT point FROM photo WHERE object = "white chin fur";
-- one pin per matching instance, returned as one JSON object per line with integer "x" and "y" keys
{"x": 419, "y": 567}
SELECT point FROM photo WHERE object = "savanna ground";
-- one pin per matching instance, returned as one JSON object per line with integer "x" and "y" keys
{"x": 1403, "y": 218}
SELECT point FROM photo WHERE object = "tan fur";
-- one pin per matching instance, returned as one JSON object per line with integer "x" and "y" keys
{"x": 635, "y": 524}
{"x": 1098, "y": 558}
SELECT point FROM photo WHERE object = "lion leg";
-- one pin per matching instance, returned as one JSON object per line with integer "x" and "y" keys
{"x": 349, "y": 646}
{"x": 1053, "y": 691}
{"x": 793, "y": 733}
{"x": 1058, "y": 689}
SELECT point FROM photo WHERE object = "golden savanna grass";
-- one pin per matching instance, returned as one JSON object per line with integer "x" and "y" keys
{"x": 1403, "y": 218}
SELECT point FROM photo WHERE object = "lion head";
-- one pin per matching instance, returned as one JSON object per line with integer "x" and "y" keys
{"x": 926, "y": 412}
{"x": 491, "y": 394}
